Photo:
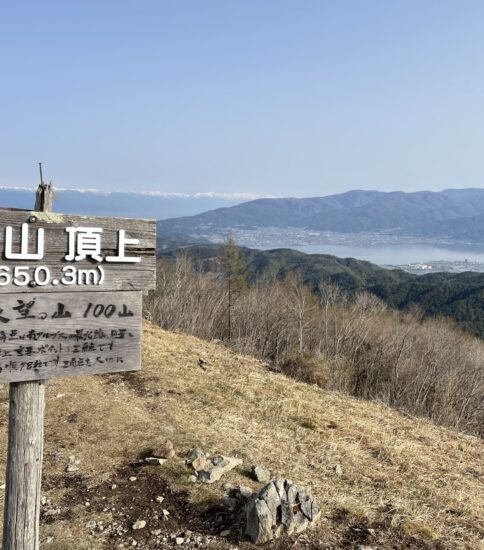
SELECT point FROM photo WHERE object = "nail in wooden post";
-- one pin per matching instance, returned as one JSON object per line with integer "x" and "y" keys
{"x": 25, "y": 447}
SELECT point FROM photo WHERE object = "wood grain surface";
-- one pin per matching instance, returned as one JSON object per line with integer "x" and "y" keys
{"x": 117, "y": 276}
{"x": 52, "y": 335}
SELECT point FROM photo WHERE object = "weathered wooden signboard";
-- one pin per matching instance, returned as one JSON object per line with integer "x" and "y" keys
{"x": 70, "y": 303}
{"x": 49, "y": 252}
{"x": 47, "y": 335}
{"x": 70, "y": 293}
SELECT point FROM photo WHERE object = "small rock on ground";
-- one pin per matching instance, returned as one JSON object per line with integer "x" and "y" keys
{"x": 140, "y": 524}
{"x": 193, "y": 454}
{"x": 261, "y": 474}
{"x": 73, "y": 464}
{"x": 219, "y": 466}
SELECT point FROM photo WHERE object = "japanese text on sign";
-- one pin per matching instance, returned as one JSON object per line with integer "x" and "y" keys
{"x": 52, "y": 251}
{"x": 46, "y": 335}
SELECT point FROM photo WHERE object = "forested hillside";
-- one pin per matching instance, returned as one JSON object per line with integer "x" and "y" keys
{"x": 459, "y": 296}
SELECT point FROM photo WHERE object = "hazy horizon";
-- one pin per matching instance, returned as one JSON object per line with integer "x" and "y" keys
{"x": 236, "y": 196}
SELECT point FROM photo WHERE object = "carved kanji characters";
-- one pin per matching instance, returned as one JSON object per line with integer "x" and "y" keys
{"x": 84, "y": 242}
{"x": 24, "y": 244}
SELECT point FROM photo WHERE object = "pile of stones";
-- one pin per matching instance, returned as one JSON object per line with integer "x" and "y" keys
{"x": 210, "y": 470}
{"x": 280, "y": 508}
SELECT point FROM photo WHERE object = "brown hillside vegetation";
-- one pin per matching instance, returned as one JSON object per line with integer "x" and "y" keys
{"x": 405, "y": 483}
{"x": 351, "y": 343}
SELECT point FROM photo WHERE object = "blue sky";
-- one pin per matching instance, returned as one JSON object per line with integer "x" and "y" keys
{"x": 292, "y": 98}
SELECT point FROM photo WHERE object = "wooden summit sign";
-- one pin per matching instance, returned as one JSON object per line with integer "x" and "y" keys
{"x": 60, "y": 314}
{"x": 49, "y": 252}
{"x": 70, "y": 303}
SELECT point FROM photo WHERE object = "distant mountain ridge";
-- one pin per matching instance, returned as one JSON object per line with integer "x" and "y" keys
{"x": 123, "y": 204}
{"x": 453, "y": 213}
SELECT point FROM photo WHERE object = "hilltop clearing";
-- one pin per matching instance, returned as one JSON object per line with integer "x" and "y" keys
{"x": 382, "y": 479}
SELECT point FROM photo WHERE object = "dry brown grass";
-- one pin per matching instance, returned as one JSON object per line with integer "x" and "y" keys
{"x": 403, "y": 475}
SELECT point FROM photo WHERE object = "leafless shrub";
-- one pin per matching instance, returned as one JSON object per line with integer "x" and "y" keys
{"x": 352, "y": 344}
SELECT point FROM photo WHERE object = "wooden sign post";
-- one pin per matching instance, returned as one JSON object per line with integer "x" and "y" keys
{"x": 70, "y": 303}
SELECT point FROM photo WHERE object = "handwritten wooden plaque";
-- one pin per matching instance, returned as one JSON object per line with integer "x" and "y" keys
{"x": 50, "y": 335}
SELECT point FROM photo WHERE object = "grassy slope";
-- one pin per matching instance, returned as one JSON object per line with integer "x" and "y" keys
{"x": 416, "y": 484}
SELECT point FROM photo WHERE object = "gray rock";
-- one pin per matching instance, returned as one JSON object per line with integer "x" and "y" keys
{"x": 217, "y": 467}
{"x": 245, "y": 492}
{"x": 270, "y": 495}
{"x": 305, "y": 503}
{"x": 193, "y": 454}
{"x": 300, "y": 523}
{"x": 239, "y": 492}
{"x": 279, "y": 483}
{"x": 280, "y": 508}
{"x": 287, "y": 515}
{"x": 261, "y": 474}
{"x": 315, "y": 511}
{"x": 259, "y": 522}
{"x": 292, "y": 492}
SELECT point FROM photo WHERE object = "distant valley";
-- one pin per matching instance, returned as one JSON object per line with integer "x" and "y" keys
{"x": 450, "y": 216}
{"x": 448, "y": 226}
{"x": 355, "y": 217}
{"x": 419, "y": 232}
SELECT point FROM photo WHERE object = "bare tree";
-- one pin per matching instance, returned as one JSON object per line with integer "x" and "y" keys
{"x": 349, "y": 343}
{"x": 234, "y": 269}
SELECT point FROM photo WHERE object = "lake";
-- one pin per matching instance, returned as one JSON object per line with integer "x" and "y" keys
{"x": 398, "y": 254}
